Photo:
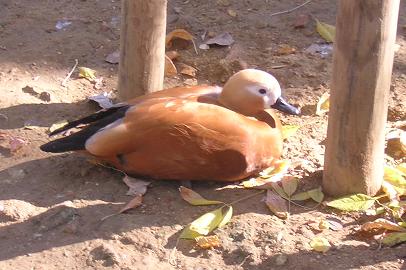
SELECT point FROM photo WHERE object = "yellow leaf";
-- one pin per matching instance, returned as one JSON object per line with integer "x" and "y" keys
{"x": 87, "y": 73}
{"x": 394, "y": 177}
{"x": 194, "y": 198}
{"x": 323, "y": 105}
{"x": 320, "y": 244}
{"x": 289, "y": 131}
{"x": 277, "y": 171}
{"x": 177, "y": 33}
{"x": 402, "y": 168}
{"x": 172, "y": 54}
{"x": 278, "y": 189}
{"x": 326, "y": 31}
{"x": 58, "y": 125}
{"x": 276, "y": 204}
{"x": 227, "y": 216}
{"x": 289, "y": 185}
{"x": 170, "y": 68}
{"x": 207, "y": 242}
{"x": 389, "y": 190}
{"x": 205, "y": 224}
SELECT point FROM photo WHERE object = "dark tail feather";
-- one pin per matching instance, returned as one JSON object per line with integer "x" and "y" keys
{"x": 89, "y": 119}
{"x": 77, "y": 141}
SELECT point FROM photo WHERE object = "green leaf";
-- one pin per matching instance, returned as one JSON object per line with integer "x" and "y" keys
{"x": 316, "y": 194}
{"x": 356, "y": 202}
{"x": 302, "y": 196}
{"x": 289, "y": 185}
{"x": 206, "y": 223}
{"x": 195, "y": 198}
{"x": 320, "y": 244}
{"x": 394, "y": 238}
{"x": 326, "y": 31}
{"x": 402, "y": 224}
{"x": 289, "y": 131}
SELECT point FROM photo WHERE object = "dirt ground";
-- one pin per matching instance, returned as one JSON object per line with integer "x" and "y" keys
{"x": 51, "y": 205}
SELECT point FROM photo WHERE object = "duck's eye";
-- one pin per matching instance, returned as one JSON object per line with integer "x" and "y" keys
{"x": 262, "y": 91}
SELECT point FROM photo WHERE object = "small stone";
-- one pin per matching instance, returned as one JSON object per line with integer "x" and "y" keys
{"x": 281, "y": 259}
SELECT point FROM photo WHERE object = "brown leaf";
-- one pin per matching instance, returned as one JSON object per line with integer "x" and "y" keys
{"x": 135, "y": 202}
{"x": 177, "y": 33}
{"x": 276, "y": 204}
{"x": 187, "y": 70}
{"x": 113, "y": 58}
{"x": 379, "y": 225}
{"x": 170, "y": 69}
{"x": 172, "y": 54}
{"x": 207, "y": 242}
{"x": 285, "y": 49}
{"x": 136, "y": 186}
{"x": 232, "y": 12}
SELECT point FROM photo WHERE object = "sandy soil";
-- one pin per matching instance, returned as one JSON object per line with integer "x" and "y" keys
{"x": 51, "y": 205}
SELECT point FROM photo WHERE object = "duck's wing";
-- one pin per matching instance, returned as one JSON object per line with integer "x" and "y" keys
{"x": 103, "y": 118}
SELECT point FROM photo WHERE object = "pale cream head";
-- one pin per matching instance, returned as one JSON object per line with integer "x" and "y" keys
{"x": 250, "y": 91}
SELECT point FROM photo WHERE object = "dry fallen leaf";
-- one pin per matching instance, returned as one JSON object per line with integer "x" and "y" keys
{"x": 133, "y": 203}
{"x": 379, "y": 225}
{"x": 136, "y": 186}
{"x": 289, "y": 185}
{"x": 285, "y": 49}
{"x": 276, "y": 204}
{"x": 320, "y": 244}
{"x": 187, "y": 70}
{"x": 172, "y": 54}
{"x": 170, "y": 68}
{"x": 178, "y": 33}
{"x": 389, "y": 190}
{"x": 323, "y": 105}
{"x": 194, "y": 198}
{"x": 334, "y": 224}
{"x": 223, "y": 39}
{"x": 326, "y": 31}
{"x": 232, "y": 12}
{"x": 207, "y": 242}
{"x": 58, "y": 125}
{"x": 103, "y": 99}
{"x": 87, "y": 73}
{"x": 113, "y": 58}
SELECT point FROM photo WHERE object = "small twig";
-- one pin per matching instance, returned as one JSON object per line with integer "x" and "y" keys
{"x": 290, "y": 10}
{"x": 244, "y": 198}
{"x": 69, "y": 74}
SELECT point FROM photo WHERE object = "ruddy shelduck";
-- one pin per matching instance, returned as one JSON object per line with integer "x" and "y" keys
{"x": 188, "y": 133}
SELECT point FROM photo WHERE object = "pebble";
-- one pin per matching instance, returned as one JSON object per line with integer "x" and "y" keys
{"x": 281, "y": 259}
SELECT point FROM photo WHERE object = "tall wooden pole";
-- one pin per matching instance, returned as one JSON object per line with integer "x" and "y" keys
{"x": 362, "y": 68}
{"x": 142, "y": 47}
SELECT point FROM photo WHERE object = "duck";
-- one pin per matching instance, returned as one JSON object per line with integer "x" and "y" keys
{"x": 190, "y": 133}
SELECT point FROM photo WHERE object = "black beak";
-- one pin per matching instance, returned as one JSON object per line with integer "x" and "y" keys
{"x": 285, "y": 107}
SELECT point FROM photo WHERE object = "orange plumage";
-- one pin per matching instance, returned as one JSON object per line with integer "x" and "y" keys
{"x": 188, "y": 133}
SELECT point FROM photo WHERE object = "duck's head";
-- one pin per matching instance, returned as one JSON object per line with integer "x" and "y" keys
{"x": 251, "y": 91}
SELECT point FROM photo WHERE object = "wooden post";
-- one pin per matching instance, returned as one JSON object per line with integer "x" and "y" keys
{"x": 362, "y": 68}
{"x": 142, "y": 47}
